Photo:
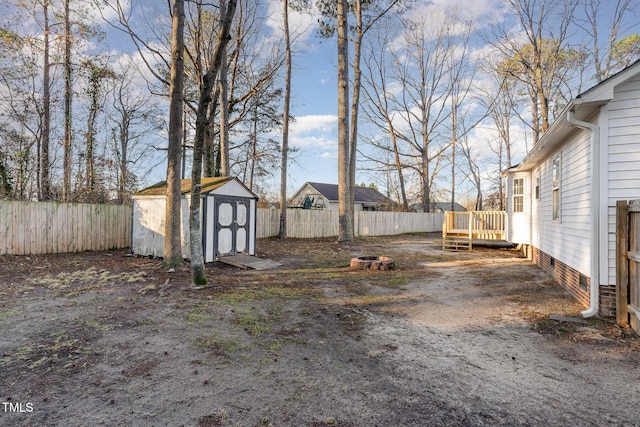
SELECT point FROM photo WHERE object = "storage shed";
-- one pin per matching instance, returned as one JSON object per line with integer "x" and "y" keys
{"x": 228, "y": 219}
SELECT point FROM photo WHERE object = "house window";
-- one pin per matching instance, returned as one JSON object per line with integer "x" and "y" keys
{"x": 518, "y": 195}
{"x": 556, "y": 189}
{"x": 537, "y": 188}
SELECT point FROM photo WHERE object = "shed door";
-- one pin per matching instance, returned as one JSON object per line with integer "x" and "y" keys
{"x": 232, "y": 225}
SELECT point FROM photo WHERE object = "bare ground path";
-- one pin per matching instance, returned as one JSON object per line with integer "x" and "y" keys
{"x": 459, "y": 339}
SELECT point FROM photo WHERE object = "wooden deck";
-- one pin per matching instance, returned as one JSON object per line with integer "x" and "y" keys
{"x": 461, "y": 229}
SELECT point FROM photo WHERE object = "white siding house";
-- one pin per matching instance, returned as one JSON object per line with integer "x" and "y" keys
{"x": 316, "y": 195}
{"x": 571, "y": 179}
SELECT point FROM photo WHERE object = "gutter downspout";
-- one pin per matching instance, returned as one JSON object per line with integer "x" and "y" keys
{"x": 594, "y": 294}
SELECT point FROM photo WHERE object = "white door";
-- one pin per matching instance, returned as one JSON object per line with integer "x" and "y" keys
{"x": 232, "y": 225}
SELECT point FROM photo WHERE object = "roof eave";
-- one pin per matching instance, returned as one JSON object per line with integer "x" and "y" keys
{"x": 584, "y": 105}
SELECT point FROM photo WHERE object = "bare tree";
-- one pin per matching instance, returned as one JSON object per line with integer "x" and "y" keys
{"x": 536, "y": 63}
{"x": 603, "y": 46}
{"x": 282, "y": 233}
{"x": 198, "y": 275}
{"x": 43, "y": 156}
{"x": 249, "y": 70}
{"x": 423, "y": 68}
{"x": 68, "y": 96}
{"x": 473, "y": 170}
{"x": 348, "y": 120}
{"x": 345, "y": 208}
{"x": 134, "y": 117}
{"x": 172, "y": 241}
{"x": 96, "y": 74}
{"x": 378, "y": 107}
{"x": 225, "y": 165}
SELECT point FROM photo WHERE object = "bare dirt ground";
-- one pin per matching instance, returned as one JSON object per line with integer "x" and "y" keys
{"x": 446, "y": 339}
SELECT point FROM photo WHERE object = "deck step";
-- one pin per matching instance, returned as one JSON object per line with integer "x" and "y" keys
{"x": 456, "y": 242}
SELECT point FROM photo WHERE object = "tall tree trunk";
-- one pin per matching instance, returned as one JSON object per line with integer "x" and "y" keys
{"x": 198, "y": 274}
{"x": 355, "y": 105}
{"x": 345, "y": 214}
{"x": 124, "y": 150}
{"x": 45, "y": 183}
{"x": 94, "y": 92}
{"x": 251, "y": 159}
{"x": 224, "y": 106}
{"x": 66, "y": 181}
{"x": 172, "y": 242}
{"x": 453, "y": 153}
{"x": 210, "y": 141}
{"x": 285, "y": 124}
{"x": 398, "y": 165}
{"x": 426, "y": 195}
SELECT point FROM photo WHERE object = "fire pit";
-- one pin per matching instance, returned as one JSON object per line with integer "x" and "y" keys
{"x": 372, "y": 263}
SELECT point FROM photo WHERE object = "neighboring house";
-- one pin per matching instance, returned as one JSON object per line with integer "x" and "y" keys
{"x": 561, "y": 199}
{"x": 438, "y": 207}
{"x": 315, "y": 195}
{"x": 228, "y": 218}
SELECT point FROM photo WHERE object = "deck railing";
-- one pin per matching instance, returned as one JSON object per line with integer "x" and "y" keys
{"x": 485, "y": 225}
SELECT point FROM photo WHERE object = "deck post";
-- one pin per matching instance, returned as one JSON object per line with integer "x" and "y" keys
{"x": 472, "y": 215}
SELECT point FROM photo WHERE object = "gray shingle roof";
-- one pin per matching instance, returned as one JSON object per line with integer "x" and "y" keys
{"x": 362, "y": 194}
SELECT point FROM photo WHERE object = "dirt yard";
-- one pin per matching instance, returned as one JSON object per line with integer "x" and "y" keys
{"x": 445, "y": 339}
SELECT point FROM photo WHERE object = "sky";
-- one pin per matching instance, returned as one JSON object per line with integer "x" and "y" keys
{"x": 314, "y": 94}
{"x": 315, "y": 87}
{"x": 314, "y": 102}
{"x": 314, "y": 83}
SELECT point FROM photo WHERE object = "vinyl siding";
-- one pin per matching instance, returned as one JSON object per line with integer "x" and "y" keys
{"x": 535, "y": 207}
{"x": 623, "y": 160}
{"x": 567, "y": 240}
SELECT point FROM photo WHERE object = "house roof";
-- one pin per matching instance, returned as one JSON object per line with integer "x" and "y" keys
{"x": 207, "y": 185}
{"x": 584, "y": 106}
{"x": 365, "y": 195}
{"x": 446, "y": 206}
{"x": 443, "y": 206}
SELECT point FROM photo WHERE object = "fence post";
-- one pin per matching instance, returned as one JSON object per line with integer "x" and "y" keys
{"x": 622, "y": 263}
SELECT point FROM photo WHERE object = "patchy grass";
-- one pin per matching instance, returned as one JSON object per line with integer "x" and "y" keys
{"x": 60, "y": 352}
{"x": 199, "y": 314}
{"x": 393, "y": 282}
{"x": 75, "y": 283}
{"x": 95, "y": 325}
{"x": 254, "y": 323}
{"x": 217, "y": 345}
{"x": 248, "y": 295}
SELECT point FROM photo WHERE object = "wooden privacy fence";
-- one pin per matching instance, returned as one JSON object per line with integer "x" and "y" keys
{"x": 628, "y": 263}
{"x": 30, "y": 228}
{"x": 303, "y": 223}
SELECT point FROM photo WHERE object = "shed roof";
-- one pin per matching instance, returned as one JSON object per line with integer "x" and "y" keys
{"x": 361, "y": 194}
{"x": 208, "y": 185}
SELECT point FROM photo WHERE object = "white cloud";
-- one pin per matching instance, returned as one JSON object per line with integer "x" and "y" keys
{"x": 470, "y": 10}
{"x": 108, "y": 10}
{"x": 329, "y": 155}
{"x": 313, "y": 123}
{"x": 313, "y": 133}
{"x": 301, "y": 24}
